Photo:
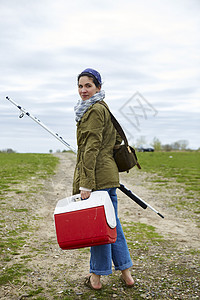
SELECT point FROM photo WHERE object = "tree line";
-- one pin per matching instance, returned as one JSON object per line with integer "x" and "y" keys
{"x": 181, "y": 145}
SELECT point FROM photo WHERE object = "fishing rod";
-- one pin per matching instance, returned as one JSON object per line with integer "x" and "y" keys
{"x": 56, "y": 135}
{"x": 126, "y": 191}
{"x": 138, "y": 200}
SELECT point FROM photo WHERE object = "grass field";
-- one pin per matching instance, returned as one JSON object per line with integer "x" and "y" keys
{"x": 160, "y": 266}
{"x": 183, "y": 167}
{"x": 167, "y": 169}
{"x": 19, "y": 168}
{"x": 20, "y": 176}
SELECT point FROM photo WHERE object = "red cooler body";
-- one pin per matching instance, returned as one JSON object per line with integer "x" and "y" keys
{"x": 85, "y": 223}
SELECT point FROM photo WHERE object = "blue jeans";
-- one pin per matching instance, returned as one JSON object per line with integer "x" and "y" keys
{"x": 103, "y": 255}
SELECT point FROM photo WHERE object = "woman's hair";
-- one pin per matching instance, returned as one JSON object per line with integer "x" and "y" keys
{"x": 96, "y": 77}
{"x": 95, "y": 81}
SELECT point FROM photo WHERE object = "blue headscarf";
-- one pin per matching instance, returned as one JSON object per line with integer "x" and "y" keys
{"x": 94, "y": 73}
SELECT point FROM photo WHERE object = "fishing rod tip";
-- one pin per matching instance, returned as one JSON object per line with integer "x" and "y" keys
{"x": 161, "y": 215}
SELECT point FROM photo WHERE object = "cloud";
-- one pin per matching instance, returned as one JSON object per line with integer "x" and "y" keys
{"x": 146, "y": 46}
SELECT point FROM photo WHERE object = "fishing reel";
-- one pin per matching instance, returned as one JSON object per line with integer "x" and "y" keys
{"x": 21, "y": 116}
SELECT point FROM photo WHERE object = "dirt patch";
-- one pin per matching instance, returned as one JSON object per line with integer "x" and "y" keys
{"x": 183, "y": 231}
{"x": 58, "y": 274}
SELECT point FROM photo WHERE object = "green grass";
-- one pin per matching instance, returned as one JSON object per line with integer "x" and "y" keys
{"x": 183, "y": 167}
{"x": 35, "y": 292}
{"x": 158, "y": 265}
{"x": 13, "y": 273}
{"x": 16, "y": 168}
{"x": 140, "y": 235}
{"x": 174, "y": 170}
{"x": 20, "y": 175}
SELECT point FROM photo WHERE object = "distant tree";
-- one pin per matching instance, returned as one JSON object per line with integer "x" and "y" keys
{"x": 180, "y": 145}
{"x": 183, "y": 144}
{"x": 175, "y": 145}
{"x": 8, "y": 150}
{"x": 156, "y": 144}
{"x": 167, "y": 147}
{"x": 50, "y": 151}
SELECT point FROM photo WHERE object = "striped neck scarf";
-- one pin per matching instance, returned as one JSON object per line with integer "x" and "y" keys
{"x": 83, "y": 105}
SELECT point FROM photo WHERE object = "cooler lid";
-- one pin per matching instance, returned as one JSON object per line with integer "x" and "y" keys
{"x": 97, "y": 198}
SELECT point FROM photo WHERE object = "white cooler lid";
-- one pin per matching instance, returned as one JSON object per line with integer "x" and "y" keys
{"x": 97, "y": 198}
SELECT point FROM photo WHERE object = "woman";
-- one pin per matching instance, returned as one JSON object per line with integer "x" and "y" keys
{"x": 97, "y": 170}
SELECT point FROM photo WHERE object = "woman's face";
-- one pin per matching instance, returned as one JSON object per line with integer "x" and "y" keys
{"x": 87, "y": 88}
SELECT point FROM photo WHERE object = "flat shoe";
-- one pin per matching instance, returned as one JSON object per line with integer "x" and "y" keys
{"x": 124, "y": 281}
{"x": 88, "y": 284}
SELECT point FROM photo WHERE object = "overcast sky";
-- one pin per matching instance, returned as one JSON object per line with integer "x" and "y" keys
{"x": 147, "y": 46}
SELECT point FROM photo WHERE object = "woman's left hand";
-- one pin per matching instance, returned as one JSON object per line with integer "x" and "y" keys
{"x": 85, "y": 194}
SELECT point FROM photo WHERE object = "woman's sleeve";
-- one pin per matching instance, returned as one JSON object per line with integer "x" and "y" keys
{"x": 93, "y": 134}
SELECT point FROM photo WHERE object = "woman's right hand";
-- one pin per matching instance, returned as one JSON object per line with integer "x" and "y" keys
{"x": 85, "y": 194}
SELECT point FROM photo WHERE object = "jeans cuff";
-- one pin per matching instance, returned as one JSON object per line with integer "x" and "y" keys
{"x": 124, "y": 266}
{"x": 108, "y": 272}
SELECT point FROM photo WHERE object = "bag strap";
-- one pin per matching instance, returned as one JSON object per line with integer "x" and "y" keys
{"x": 121, "y": 132}
{"x": 116, "y": 125}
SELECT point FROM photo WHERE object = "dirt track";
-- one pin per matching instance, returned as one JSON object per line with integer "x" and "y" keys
{"x": 173, "y": 226}
{"x": 53, "y": 268}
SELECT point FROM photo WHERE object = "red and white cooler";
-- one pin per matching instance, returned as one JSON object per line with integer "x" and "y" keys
{"x": 85, "y": 223}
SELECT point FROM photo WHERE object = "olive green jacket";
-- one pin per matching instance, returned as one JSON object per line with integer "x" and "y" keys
{"x": 96, "y": 138}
